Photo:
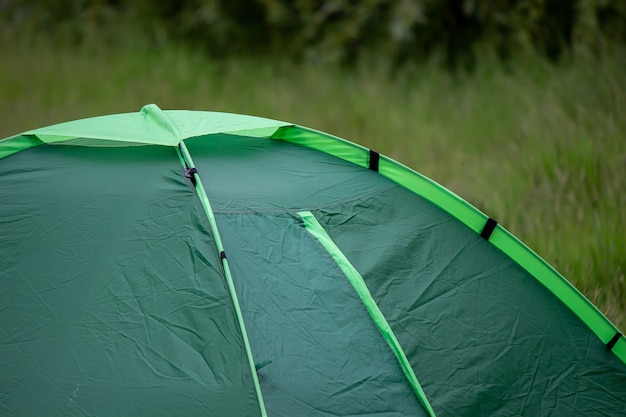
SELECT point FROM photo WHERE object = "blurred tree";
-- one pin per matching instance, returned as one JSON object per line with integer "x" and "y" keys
{"x": 341, "y": 31}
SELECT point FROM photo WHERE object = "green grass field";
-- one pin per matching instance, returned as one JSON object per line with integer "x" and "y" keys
{"x": 540, "y": 148}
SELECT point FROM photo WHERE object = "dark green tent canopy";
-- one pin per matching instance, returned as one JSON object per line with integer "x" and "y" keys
{"x": 179, "y": 263}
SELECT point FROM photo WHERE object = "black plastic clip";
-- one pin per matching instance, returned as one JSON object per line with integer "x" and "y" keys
{"x": 488, "y": 229}
{"x": 613, "y": 341}
{"x": 374, "y": 158}
{"x": 189, "y": 174}
{"x": 222, "y": 255}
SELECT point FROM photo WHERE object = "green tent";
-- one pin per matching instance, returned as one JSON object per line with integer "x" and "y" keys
{"x": 185, "y": 263}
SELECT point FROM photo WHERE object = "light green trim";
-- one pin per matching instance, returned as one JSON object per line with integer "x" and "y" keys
{"x": 154, "y": 126}
{"x": 468, "y": 215}
{"x": 558, "y": 285}
{"x": 204, "y": 199}
{"x": 620, "y": 348}
{"x": 149, "y": 126}
{"x": 326, "y": 143}
{"x": 507, "y": 243}
{"x": 18, "y": 143}
{"x": 158, "y": 117}
{"x": 313, "y": 227}
{"x": 395, "y": 171}
{"x": 433, "y": 192}
{"x": 262, "y": 132}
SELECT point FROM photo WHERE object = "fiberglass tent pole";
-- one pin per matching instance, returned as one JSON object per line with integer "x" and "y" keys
{"x": 191, "y": 171}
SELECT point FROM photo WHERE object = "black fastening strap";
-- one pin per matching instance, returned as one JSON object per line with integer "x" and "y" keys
{"x": 613, "y": 341}
{"x": 374, "y": 158}
{"x": 222, "y": 255}
{"x": 488, "y": 229}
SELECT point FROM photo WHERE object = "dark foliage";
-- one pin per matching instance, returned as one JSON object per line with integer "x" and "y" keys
{"x": 342, "y": 31}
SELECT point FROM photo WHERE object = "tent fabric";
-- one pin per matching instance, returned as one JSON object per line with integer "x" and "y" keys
{"x": 153, "y": 126}
{"x": 113, "y": 300}
{"x": 293, "y": 276}
{"x": 191, "y": 173}
{"x": 313, "y": 226}
{"x": 472, "y": 218}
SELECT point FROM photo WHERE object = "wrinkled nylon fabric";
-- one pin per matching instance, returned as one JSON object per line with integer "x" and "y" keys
{"x": 250, "y": 175}
{"x": 113, "y": 301}
{"x": 187, "y": 162}
{"x": 154, "y": 126}
{"x": 467, "y": 214}
{"x": 313, "y": 226}
{"x": 317, "y": 350}
{"x": 484, "y": 336}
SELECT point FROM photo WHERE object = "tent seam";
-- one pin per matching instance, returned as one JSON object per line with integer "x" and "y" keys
{"x": 320, "y": 207}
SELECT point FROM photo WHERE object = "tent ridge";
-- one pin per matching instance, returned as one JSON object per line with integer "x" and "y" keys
{"x": 293, "y": 210}
{"x": 350, "y": 282}
{"x": 160, "y": 118}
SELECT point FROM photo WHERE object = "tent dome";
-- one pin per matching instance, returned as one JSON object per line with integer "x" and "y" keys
{"x": 201, "y": 263}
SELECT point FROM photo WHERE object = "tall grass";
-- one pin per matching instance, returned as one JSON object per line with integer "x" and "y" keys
{"x": 541, "y": 148}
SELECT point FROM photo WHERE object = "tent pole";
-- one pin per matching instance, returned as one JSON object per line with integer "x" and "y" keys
{"x": 188, "y": 163}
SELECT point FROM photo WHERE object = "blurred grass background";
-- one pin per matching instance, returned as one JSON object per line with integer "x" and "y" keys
{"x": 537, "y": 143}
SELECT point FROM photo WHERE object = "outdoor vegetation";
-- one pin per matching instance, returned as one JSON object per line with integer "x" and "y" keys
{"x": 517, "y": 106}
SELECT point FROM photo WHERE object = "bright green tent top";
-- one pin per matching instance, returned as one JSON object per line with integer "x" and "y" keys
{"x": 151, "y": 126}
{"x": 353, "y": 285}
